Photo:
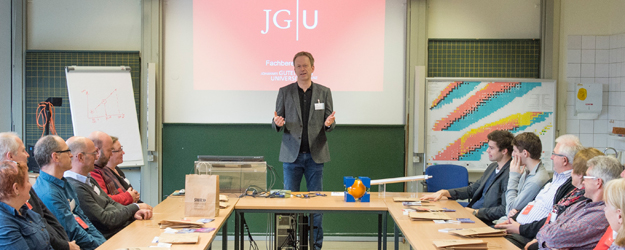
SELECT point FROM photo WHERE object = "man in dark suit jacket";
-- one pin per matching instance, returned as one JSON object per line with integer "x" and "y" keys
{"x": 488, "y": 194}
{"x": 304, "y": 111}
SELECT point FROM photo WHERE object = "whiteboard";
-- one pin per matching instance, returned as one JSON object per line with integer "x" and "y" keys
{"x": 461, "y": 112}
{"x": 101, "y": 99}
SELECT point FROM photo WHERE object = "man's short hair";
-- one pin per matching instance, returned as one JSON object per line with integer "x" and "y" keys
{"x": 581, "y": 159}
{"x": 77, "y": 145}
{"x": 569, "y": 146}
{"x": 530, "y": 142}
{"x": 306, "y": 54}
{"x": 605, "y": 168}
{"x": 503, "y": 139}
{"x": 114, "y": 138}
{"x": 8, "y": 144}
{"x": 9, "y": 174}
{"x": 45, "y": 147}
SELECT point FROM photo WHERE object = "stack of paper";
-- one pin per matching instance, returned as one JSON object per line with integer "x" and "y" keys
{"x": 223, "y": 204}
{"x": 404, "y": 199}
{"x": 223, "y": 197}
{"x": 180, "y": 224}
{"x": 460, "y": 244}
{"x": 190, "y": 238}
{"x": 481, "y": 232}
{"x": 428, "y": 216}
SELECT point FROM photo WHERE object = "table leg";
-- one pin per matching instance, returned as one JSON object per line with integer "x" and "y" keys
{"x": 384, "y": 229}
{"x": 396, "y": 237}
{"x": 236, "y": 230}
{"x": 311, "y": 227}
{"x": 380, "y": 231}
{"x": 242, "y": 231}
{"x": 224, "y": 236}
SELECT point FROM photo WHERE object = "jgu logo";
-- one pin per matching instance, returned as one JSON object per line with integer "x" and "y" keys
{"x": 286, "y": 23}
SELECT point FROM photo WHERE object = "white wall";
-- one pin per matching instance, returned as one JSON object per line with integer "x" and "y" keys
{"x": 5, "y": 65}
{"x": 84, "y": 25}
{"x": 592, "y": 50}
{"x": 498, "y": 19}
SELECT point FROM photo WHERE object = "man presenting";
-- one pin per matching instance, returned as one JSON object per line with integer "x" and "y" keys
{"x": 304, "y": 111}
{"x": 487, "y": 194}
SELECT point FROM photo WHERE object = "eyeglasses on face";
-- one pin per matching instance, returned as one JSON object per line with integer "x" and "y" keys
{"x": 120, "y": 149}
{"x": 63, "y": 151}
{"x": 590, "y": 177}
{"x": 94, "y": 153}
{"x": 561, "y": 155}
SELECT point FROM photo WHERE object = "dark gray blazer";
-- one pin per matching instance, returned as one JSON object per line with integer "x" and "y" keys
{"x": 108, "y": 216}
{"x": 288, "y": 106}
{"x": 494, "y": 206}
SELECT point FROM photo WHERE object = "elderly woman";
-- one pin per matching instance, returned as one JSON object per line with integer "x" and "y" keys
{"x": 576, "y": 195}
{"x": 113, "y": 181}
{"x": 614, "y": 195}
{"x": 21, "y": 227}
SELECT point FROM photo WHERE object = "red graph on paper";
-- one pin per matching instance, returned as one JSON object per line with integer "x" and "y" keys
{"x": 106, "y": 108}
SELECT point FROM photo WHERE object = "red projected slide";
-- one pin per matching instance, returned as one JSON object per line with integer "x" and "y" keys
{"x": 249, "y": 44}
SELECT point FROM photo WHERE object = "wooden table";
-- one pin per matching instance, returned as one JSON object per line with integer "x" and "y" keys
{"x": 140, "y": 233}
{"x": 319, "y": 204}
{"x": 420, "y": 234}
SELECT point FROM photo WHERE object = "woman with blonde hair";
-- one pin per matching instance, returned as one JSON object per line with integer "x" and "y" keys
{"x": 614, "y": 195}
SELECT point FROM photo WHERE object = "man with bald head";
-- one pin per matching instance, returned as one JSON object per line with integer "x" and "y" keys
{"x": 108, "y": 216}
{"x": 54, "y": 157}
{"x": 104, "y": 143}
{"x": 12, "y": 149}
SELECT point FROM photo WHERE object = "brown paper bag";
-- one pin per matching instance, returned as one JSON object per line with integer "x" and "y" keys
{"x": 202, "y": 196}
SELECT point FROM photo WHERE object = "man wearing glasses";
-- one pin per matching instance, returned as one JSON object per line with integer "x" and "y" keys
{"x": 54, "y": 157}
{"x": 108, "y": 216}
{"x": 12, "y": 149}
{"x": 582, "y": 224}
{"x": 104, "y": 143}
{"x": 524, "y": 225}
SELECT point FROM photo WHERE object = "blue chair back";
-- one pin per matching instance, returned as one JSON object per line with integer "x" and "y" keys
{"x": 446, "y": 176}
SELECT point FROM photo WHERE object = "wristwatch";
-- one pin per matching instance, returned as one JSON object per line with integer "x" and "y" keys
{"x": 475, "y": 212}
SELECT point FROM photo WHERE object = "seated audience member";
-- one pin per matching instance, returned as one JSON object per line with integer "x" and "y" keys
{"x": 110, "y": 178}
{"x": 487, "y": 193}
{"x": 12, "y": 149}
{"x": 576, "y": 195}
{"x": 22, "y": 228}
{"x": 608, "y": 238}
{"x": 527, "y": 173}
{"x": 54, "y": 157}
{"x": 108, "y": 216}
{"x": 522, "y": 229}
{"x": 614, "y": 196}
{"x": 582, "y": 224}
{"x": 104, "y": 176}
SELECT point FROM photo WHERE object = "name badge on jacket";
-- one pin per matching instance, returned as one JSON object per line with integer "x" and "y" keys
{"x": 320, "y": 106}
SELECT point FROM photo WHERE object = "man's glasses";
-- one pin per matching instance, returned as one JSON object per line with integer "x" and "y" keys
{"x": 94, "y": 153}
{"x": 120, "y": 149}
{"x": 590, "y": 177}
{"x": 63, "y": 151}
{"x": 561, "y": 155}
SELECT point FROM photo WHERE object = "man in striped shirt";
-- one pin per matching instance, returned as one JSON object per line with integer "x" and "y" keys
{"x": 562, "y": 157}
